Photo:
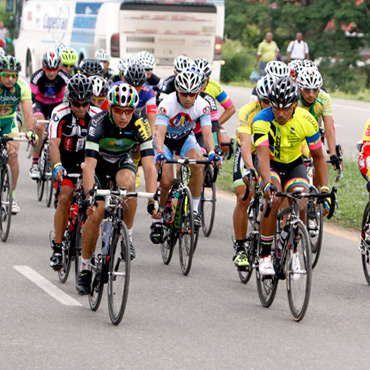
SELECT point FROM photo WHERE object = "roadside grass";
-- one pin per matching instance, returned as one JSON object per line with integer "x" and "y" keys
{"x": 352, "y": 193}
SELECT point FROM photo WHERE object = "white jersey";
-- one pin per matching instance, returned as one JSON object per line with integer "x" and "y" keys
{"x": 179, "y": 120}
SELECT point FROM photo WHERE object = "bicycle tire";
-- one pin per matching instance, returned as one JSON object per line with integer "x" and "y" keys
{"x": 298, "y": 285}
{"x": 316, "y": 233}
{"x": 49, "y": 182}
{"x": 6, "y": 202}
{"x": 63, "y": 273}
{"x": 207, "y": 204}
{"x": 186, "y": 231}
{"x": 81, "y": 218}
{"x": 266, "y": 288}
{"x": 168, "y": 246}
{"x": 41, "y": 180}
{"x": 365, "y": 253}
{"x": 97, "y": 285}
{"x": 246, "y": 273}
{"x": 119, "y": 273}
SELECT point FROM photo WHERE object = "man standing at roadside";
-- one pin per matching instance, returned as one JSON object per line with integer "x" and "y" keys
{"x": 297, "y": 49}
{"x": 4, "y": 33}
{"x": 267, "y": 52}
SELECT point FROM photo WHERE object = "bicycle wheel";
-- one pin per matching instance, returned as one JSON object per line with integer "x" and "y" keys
{"x": 266, "y": 288}
{"x": 168, "y": 245}
{"x": 186, "y": 231}
{"x": 97, "y": 285}
{"x": 207, "y": 205}
{"x": 298, "y": 267}
{"x": 78, "y": 242}
{"x": 63, "y": 273}
{"x": 41, "y": 180}
{"x": 315, "y": 229}
{"x": 246, "y": 272}
{"x": 49, "y": 182}
{"x": 6, "y": 202}
{"x": 119, "y": 273}
{"x": 365, "y": 247}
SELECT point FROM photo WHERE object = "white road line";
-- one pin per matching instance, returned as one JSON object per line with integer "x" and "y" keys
{"x": 46, "y": 285}
{"x": 351, "y": 107}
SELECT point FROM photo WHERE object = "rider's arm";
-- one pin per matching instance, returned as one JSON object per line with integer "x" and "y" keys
{"x": 246, "y": 149}
{"x": 320, "y": 166}
{"x": 28, "y": 114}
{"x": 227, "y": 113}
{"x": 151, "y": 110}
{"x": 150, "y": 173}
{"x": 88, "y": 170}
{"x": 330, "y": 133}
{"x": 160, "y": 132}
{"x": 208, "y": 138}
{"x": 263, "y": 156}
{"x": 54, "y": 151}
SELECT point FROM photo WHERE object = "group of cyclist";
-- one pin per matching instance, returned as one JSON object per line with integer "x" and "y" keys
{"x": 99, "y": 127}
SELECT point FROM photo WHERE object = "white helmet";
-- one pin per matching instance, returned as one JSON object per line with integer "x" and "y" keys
{"x": 309, "y": 64}
{"x": 124, "y": 62}
{"x": 146, "y": 59}
{"x": 203, "y": 65}
{"x": 102, "y": 55}
{"x": 181, "y": 63}
{"x": 59, "y": 47}
{"x": 309, "y": 78}
{"x": 277, "y": 69}
{"x": 188, "y": 82}
{"x": 100, "y": 86}
{"x": 264, "y": 85}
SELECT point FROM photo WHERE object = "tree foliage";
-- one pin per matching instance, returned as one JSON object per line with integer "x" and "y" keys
{"x": 323, "y": 24}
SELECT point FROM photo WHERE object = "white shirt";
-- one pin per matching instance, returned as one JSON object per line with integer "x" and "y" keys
{"x": 297, "y": 49}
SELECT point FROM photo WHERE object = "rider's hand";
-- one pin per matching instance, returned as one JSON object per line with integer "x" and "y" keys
{"x": 215, "y": 159}
{"x": 247, "y": 175}
{"x": 267, "y": 191}
{"x": 326, "y": 201}
{"x": 160, "y": 156}
{"x": 334, "y": 160}
{"x": 156, "y": 214}
{"x": 59, "y": 172}
{"x": 32, "y": 137}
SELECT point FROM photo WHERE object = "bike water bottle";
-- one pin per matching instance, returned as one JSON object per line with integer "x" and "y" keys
{"x": 175, "y": 201}
{"x": 73, "y": 215}
{"x": 280, "y": 243}
{"x": 106, "y": 230}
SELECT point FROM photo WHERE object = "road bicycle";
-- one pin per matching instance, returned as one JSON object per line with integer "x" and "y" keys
{"x": 111, "y": 263}
{"x": 293, "y": 262}
{"x": 364, "y": 246}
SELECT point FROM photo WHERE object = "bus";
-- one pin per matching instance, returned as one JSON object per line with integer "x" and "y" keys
{"x": 165, "y": 28}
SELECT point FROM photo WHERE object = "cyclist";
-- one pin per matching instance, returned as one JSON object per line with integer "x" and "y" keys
{"x": 100, "y": 90}
{"x": 68, "y": 131}
{"x": 47, "y": 86}
{"x": 91, "y": 67}
{"x": 244, "y": 166}
{"x": 180, "y": 63}
{"x": 14, "y": 90}
{"x": 364, "y": 157}
{"x": 318, "y": 103}
{"x": 69, "y": 59}
{"x": 112, "y": 133}
{"x": 278, "y": 133}
{"x": 148, "y": 62}
{"x": 123, "y": 63}
{"x": 177, "y": 115}
{"x": 104, "y": 57}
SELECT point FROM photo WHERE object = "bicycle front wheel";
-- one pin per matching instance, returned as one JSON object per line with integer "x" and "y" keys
{"x": 245, "y": 273}
{"x": 97, "y": 284}
{"x": 63, "y": 273}
{"x": 266, "y": 288}
{"x": 168, "y": 245}
{"x": 186, "y": 231}
{"x": 41, "y": 180}
{"x": 81, "y": 218}
{"x": 207, "y": 204}
{"x": 365, "y": 247}
{"x": 298, "y": 267}
{"x": 118, "y": 273}
{"x": 49, "y": 182}
{"x": 6, "y": 202}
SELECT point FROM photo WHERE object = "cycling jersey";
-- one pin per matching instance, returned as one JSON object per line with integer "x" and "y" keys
{"x": 364, "y": 158}
{"x": 169, "y": 85}
{"x": 321, "y": 107}
{"x": 108, "y": 74}
{"x": 246, "y": 115}
{"x": 114, "y": 78}
{"x": 216, "y": 91}
{"x": 284, "y": 141}
{"x": 72, "y": 131}
{"x": 9, "y": 100}
{"x": 179, "y": 120}
{"x": 154, "y": 82}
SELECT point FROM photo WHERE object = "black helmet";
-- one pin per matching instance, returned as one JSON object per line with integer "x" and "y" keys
{"x": 135, "y": 75}
{"x": 9, "y": 63}
{"x": 79, "y": 88}
{"x": 283, "y": 93}
{"x": 91, "y": 67}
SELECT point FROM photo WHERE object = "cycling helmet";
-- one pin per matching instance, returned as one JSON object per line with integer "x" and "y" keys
{"x": 91, "y": 67}
{"x": 102, "y": 55}
{"x": 9, "y": 63}
{"x": 204, "y": 66}
{"x": 194, "y": 68}
{"x": 69, "y": 56}
{"x": 264, "y": 85}
{"x": 146, "y": 59}
{"x": 277, "y": 69}
{"x": 51, "y": 59}
{"x": 124, "y": 62}
{"x": 100, "y": 86}
{"x": 135, "y": 74}
{"x": 2, "y": 52}
{"x": 188, "y": 82}
{"x": 309, "y": 78}
{"x": 181, "y": 63}
{"x": 283, "y": 93}
{"x": 79, "y": 87}
{"x": 308, "y": 64}
{"x": 2, "y": 43}
{"x": 295, "y": 66}
{"x": 123, "y": 95}
{"x": 59, "y": 47}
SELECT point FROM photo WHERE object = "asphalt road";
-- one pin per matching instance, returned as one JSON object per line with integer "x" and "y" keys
{"x": 207, "y": 320}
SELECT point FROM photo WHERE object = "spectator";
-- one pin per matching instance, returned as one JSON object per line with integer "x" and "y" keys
{"x": 297, "y": 49}
{"x": 267, "y": 52}
{"x": 4, "y": 33}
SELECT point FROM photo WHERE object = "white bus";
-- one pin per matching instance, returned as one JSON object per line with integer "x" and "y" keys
{"x": 165, "y": 28}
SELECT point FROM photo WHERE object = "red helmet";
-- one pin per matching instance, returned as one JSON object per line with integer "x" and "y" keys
{"x": 2, "y": 43}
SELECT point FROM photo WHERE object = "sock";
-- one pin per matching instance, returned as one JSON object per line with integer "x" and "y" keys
{"x": 130, "y": 234}
{"x": 13, "y": 194}
{"x": 35, "y": 160}
{"x": 85, "y": 264}
{"x": 196, "y": 204}
{"x": 155, "y": 221}
{"x": 239, "y": 245}
{"x": 266, "y": 242}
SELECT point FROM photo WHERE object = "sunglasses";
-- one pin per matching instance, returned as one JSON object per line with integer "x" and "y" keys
{"x": 51, "y": 69}
{"x": 311, "y": 90}
{"x": 8, "y": 75}
{"x": 78, "y": 105}
{"x": 120, "y": 111}
{"x": 185, "y": 94}
{"x": 97, "y": 98}
{"x": 67, "y": 66}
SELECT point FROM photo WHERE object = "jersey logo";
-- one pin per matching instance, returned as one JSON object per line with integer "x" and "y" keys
{"x": 144, "y": 129}
{"x": 206, "y": 110}
{"x": 162, "y": 111}
{"x": 181, "y": 120}
{"x": 367, "y": 131}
